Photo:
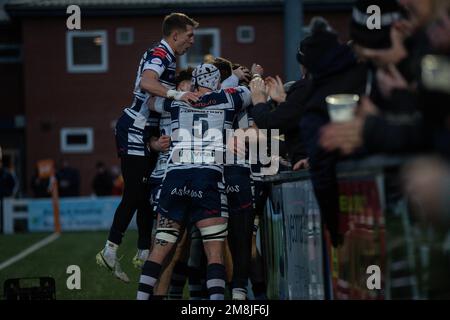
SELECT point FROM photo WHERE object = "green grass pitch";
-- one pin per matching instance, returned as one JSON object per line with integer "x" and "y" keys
{"x": 72, "y": 248}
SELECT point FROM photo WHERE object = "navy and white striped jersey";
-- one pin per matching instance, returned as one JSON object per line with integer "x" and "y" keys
{"x": 134, "y": 126}
{"x": 165, "y": 128}
{"x": 198, "y": 131}
{"x": 160, "y": 59}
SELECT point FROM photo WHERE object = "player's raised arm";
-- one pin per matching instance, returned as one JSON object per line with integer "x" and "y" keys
{"x": 150, "y": 82}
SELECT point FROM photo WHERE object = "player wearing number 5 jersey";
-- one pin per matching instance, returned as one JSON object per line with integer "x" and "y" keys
{"x": 192, "y": 189}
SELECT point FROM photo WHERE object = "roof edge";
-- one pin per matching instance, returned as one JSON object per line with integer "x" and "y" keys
{"x": 19, "y": 11}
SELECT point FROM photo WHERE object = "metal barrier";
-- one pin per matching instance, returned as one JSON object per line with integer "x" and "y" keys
{"x": 380, "y": 238}
{"x": 292, "y": 239}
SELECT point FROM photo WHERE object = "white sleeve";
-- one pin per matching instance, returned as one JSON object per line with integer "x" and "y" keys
{"x": 230, "y": 82}
{"x": 156, "y": 64}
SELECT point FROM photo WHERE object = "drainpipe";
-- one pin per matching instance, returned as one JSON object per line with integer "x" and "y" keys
{"x": 293, "y": 25}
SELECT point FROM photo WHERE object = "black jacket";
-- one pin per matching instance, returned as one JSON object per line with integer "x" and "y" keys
{"x": 351, "y": 80}
{"x": 285, "y": 117}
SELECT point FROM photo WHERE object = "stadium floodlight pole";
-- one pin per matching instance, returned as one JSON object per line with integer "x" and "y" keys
{"x": 293, "y": 26}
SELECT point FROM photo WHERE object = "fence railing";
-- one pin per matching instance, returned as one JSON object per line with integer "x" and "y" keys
{"x": 379, "y": 238}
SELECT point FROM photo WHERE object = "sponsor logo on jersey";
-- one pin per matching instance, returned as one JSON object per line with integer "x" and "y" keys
{"x": 156, "y": 61}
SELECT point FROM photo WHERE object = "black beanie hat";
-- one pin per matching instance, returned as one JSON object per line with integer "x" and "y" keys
{"x": 391, "y": 12}
{"x": 322, "y": 40}
{"x": 319, "y": 30}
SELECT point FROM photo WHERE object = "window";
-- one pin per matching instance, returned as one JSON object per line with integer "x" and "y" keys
{"x": 207, "y": 41}
{"x": 124, "y": 36}
{"x": 87, "y": 51}
{"x": 10, "y": 53}
{"x": 245, "y": 34}
{"x": 77, "y": 140}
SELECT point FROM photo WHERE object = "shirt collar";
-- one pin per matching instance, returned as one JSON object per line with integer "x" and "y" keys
{"x": 165, "y": 44}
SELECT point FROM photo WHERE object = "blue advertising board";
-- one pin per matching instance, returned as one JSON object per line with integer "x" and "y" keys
{"x": 76, "y": 214}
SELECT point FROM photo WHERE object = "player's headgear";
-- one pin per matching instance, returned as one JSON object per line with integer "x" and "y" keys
{"x": 207, "y": 76}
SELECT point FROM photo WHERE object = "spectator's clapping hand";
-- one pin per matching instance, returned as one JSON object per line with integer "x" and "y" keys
{"x": 346, "y": 136}
{"x": 275, "y": 89}
{"x": 243, "y": 74}
{"x": 258, "y": 89}
{"x": 257, "y": 69}
{"x": 302, "y": 164}
{"x": 390, "y": 79}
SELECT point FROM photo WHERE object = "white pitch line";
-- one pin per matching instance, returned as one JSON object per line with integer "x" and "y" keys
{"x": 29, "y": 250}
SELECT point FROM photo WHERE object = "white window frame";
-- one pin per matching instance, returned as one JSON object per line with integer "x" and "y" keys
{"x": 71, "y": 67}
{"x": 215, "y": 32}
{"x": 119, "y": 41}
{"x": 239, "y": 31}
{"x": 82, "y": 148}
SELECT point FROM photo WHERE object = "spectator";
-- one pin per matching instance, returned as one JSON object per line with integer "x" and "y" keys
{"x": 333, "y": 69}
{"x": 68, "y": 180}
{"x": 118, "y": 183}
{"x": 288, "y": 105}
{"x": 428, "y": 128}
{"x": 40, "y": 186}
{"x": 103, "y": 181}
{"x": 7, "y": 181}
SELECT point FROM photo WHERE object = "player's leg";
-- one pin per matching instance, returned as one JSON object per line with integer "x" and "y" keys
{"x": 197, "y": 267}
{"x": 240, "y": 226}
{"x": 207, "y": 214}
{"x": 171, "y": 210}
{"x": 257, "y": 275}
{"x": 228, "y": 261}
{"x": 144, "y": 220}
{"x": 166, "y": 237}
{"x": 214, "y": 232}
{"x": 134, "y": 170}
{"x": 180, "y": 268}
{"x": 171, "y": 271}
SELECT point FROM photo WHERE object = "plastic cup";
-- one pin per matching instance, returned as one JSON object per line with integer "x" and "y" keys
{"x": 341, "y": 107}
